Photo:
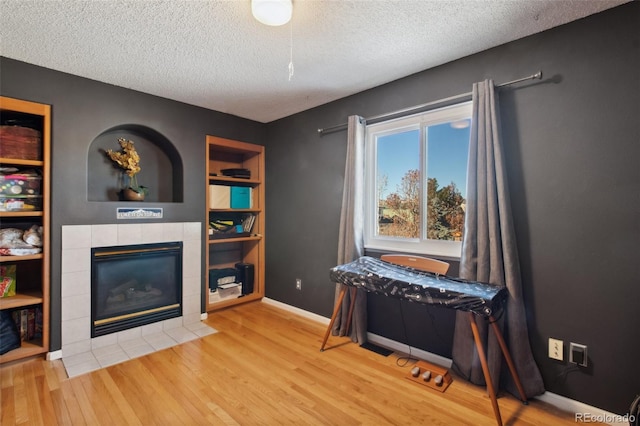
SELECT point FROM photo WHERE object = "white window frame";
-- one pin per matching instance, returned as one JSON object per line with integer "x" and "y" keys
{"x": 422, "y": 245}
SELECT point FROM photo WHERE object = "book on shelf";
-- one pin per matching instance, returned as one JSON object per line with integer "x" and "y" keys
{"x": 247, "y": 223}
{"x": 28, "y": 322}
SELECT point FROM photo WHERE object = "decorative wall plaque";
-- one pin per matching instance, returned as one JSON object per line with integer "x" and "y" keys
{"x": 139, "y": 213}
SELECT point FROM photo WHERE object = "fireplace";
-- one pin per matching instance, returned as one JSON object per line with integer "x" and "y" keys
{"x": 135, "y": 285}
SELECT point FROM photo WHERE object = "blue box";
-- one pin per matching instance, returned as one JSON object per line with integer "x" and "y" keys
{"x": 240, "y": 197}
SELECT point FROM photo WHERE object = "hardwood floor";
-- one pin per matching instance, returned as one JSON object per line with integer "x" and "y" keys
{"x": 263, "y": 367}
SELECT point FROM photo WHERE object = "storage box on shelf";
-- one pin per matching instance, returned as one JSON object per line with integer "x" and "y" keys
{"x": 225, "y": 292}
{"x": 18, "y": 141}
{"x": 24, "y": 203}
{"x": 235, "y": 218}
{"x": 20, "y": 189}
{"x": 25, "y": 142}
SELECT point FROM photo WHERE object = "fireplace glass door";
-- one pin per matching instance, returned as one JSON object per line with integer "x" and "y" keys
{"x": 135, "y": 285}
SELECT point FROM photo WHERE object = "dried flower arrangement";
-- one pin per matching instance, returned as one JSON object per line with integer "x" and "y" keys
{"x": 129, "y": 161}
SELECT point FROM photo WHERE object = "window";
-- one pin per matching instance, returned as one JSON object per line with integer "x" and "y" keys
{"x": 416, "y": 174}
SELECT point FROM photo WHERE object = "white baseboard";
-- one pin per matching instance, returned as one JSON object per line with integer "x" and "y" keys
{"x": 51, "y": 356}
{"x": 406, "y": 349}
{"x": 588, "y": 413}
{"x": 301, "y": 312}
{"x": 583, "y": 413}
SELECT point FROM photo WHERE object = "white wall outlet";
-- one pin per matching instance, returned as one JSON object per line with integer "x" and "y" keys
{"x": 556, "y": 349}
{"x": 298, "y": 284}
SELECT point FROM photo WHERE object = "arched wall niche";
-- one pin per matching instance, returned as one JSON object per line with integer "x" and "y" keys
{"x": 161, "y": 165}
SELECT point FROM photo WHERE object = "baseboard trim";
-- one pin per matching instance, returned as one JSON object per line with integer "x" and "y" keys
{"x": 583, "y": 413}
{"x": 52, "y": 356}
{"x": 295, "y": 310}
{"x": 410, "y": 350}
{"x": 561, "y": 402}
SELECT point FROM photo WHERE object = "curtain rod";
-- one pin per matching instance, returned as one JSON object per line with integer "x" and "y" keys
{"x": 416, "y": 108}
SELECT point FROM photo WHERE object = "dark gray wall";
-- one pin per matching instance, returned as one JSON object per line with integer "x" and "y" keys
{"x": 83, "y": 109}
{"x": 572, "y": 142}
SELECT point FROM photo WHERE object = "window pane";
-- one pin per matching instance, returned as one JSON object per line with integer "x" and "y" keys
{"x": 447, "y": 153}
{"x": 415, "y": 183}
{"x": 398, "y": 184}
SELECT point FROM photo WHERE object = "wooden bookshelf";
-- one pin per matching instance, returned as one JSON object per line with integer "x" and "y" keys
{"x": 229, "y": 250}
{"x": 32, "y": 271}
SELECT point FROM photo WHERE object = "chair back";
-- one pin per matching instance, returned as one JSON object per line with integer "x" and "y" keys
{"x": 417, "y": 262}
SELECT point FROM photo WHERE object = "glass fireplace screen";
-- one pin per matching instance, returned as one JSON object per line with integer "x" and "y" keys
{"x": 135, "y": 285}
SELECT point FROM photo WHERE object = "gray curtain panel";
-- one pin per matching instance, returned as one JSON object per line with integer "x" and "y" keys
{"x": 351, "y": 234}
{"x": 489, "y": 254}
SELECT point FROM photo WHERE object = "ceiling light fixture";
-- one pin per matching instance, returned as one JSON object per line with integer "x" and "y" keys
{"x": 272, "y": 12}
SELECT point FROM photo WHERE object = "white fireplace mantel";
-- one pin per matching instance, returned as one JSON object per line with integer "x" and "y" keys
{"x": 80, "y": 352}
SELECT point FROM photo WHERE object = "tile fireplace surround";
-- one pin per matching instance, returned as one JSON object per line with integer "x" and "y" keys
{"x": 80, "y": 352}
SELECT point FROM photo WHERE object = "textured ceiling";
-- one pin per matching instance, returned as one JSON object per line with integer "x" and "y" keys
{"x": 213, "y": 54}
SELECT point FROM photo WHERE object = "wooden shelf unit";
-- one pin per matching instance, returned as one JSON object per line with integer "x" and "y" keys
{"x": 20, "y": 300}
{"x": 226, "y": 252}
{"x": 34, "y": 291}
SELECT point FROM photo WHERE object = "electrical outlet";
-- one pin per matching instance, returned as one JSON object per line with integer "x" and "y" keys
{"x": 578, "y": 354}
{"x": 298, "y": 284}
{"x": 556, "y": 349}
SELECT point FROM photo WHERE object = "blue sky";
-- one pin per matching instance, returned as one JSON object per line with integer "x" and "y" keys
{"x": 447, "y": 155}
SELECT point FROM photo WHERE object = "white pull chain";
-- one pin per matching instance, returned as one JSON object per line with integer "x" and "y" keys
{"x": 291, "y": 50}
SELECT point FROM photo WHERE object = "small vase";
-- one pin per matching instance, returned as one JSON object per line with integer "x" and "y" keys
{"x": 131, "y": 195}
